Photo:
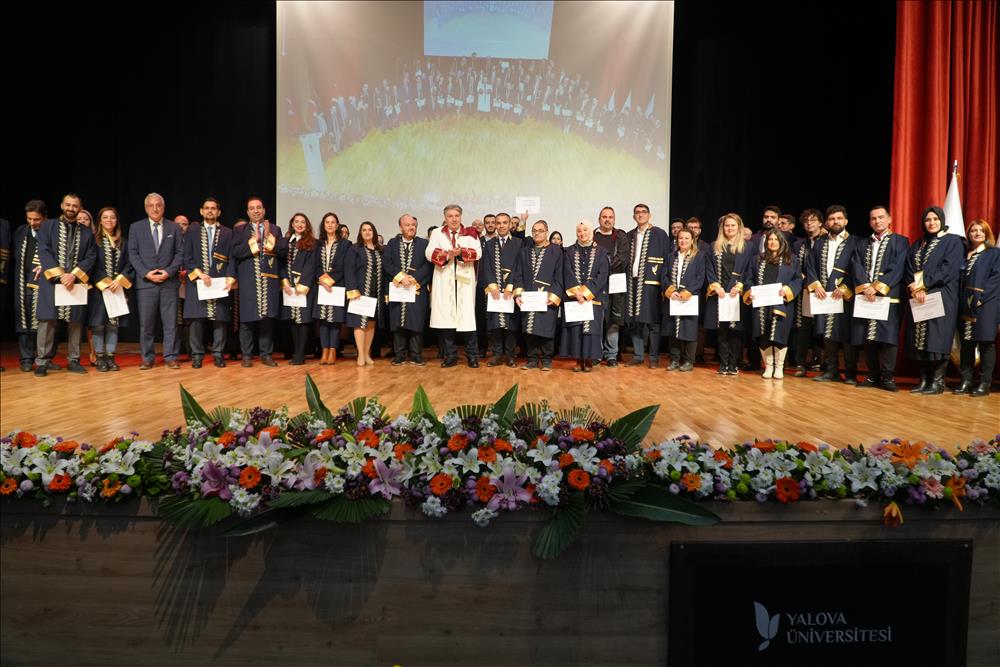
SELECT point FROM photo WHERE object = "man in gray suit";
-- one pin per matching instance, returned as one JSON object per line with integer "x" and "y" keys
{"x": 156, "y": 250}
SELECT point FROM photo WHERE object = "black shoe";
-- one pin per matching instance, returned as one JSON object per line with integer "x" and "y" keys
{"x": 546, "y": 365}
{"x": 418, "y": 361}
{"x": 635, "y": 362}
{"x": 588, "y": 366}
{"x": 495, "y": 361}
{"x": 700, "y": 359}
{"x": 673, "y": 366}
{"x": 26, "y": 366}
{"x": 687, "y": 366}
{"x": 101, "y": 364}
{"x": 869, "y": 383}
{"x": 816, "y": 368}
{"x": 982, "y": 390}
{"x": 654, "y": 362}
{"x": 733, "y": 371}
{"x": 531, "y": 365}
{"x": 800, "y": 372}
{"x": 722, "y": 370}
{"x": 851, "y": 377}
{"x": 219, "y": 361}
{"x": 112, "y": 364}
{"x": 268, "y": 361}
{"x": 247, "y": 363}
{"x": 449, "y": 363}
{"x": 473, "y": 363}
{"x": 41, "y": 371}
{"x": 398, "y": 361}
{"x": 75, "y": 367}
{"x": 935, "y": 389}
{"x": 611, "y": 363}
{"x": 888, "y": 384}
{"x": 196, "y": 362}
{"x": 511, "y": 363}
{"x": 965, "y": 388}
{"x": 52, "y": 366}
{"x": 827, "y": 377}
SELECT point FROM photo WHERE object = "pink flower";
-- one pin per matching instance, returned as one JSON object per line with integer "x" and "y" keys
{"x": 879, "y": 449}
{"x": 933, "y": 488}
{"x": 982, "y": 447}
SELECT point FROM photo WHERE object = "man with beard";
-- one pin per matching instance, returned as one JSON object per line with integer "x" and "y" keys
{"x": 540, "y": 270}
{"x": 648, "y": 248}
{"x": 207, "y": 257}
{"x": 615, "y": 243}
{"x": 804, "y": 335}
{"x": 405, "y": 264}
{"x": 27, "y": 269}
{"x": 454, "y": 249}
{"x": 497, "y": 272}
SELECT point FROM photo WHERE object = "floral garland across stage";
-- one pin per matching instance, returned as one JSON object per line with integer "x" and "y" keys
{"x": 261, "y": 467}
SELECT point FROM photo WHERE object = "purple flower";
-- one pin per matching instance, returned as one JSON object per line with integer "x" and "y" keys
{"x": 510, "y": 490}
{"x": 27, "y": 485}
{"x": 385, "y": 480}
{"x": 674, "y": 489}
{"x": 761, "y": 497}
{"x": 179, "y": 481}
{"x": 970, "y": 473}
{"x": 962, "y": 464}
{"x": 213, "y": 480}
{"x": 125, "y": 490}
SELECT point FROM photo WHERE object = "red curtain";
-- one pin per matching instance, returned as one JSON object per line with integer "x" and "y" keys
{"x": 945, "y": 109}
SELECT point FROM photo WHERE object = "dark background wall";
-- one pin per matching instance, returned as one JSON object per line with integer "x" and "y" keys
{"x": 785, "y": 104}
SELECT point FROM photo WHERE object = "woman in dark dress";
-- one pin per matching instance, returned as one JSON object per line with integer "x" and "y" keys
{"x": 298, "y": 273}
{"x": 331, "y": 256}
{"x": 979, "y": 308}
{"x": 114, "y": 272}
{"x": 363, "y": 276}
{"x": 730, "y": 258}
{"x": 686, "y": 276}
{"x": 772, "y": 325}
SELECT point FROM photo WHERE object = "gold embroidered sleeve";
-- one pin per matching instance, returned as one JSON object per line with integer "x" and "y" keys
{"x": 81, "y": 275}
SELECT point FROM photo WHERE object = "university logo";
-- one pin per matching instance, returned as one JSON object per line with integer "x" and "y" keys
{"x": 767, "y": 626}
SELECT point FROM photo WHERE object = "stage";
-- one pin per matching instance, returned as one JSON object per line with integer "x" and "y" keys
{"x": 720, "y": 410}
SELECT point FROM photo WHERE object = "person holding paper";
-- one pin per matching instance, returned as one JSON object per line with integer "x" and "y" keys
{"x": 363, "y": 277}
{"x": 585, "y": 270}
{"x": 27, "y": 271}
{"x": 112, "y": 272}
{"x": 724, "y": 271}
{"x": 686, "y": 266}
{"x": 298, "y": 272}
{"x": 648, "y": 248}
{"x": 615, "y": 243}
{"x": 406, "y": 265}
{"x": 804, "y": 336}
{"x": 258, "y": 248}
{"x": 829, "y": 275}
{"x": 934, "y": 265}
{"x": 978, "y": 309}
{"x": 498, "y": 268}
{"x": 540, "y": 269}
{"x": 332, "y": 260}
{"x": 772, "y": 325}
{"x": 67, "y": 254}
{"x": 454, "y": 249}
{"x": 879, "y": 268}
{"x": 207, "y": 258}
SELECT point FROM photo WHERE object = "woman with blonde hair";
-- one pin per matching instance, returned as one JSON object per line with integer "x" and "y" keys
{"x": 724, "y": 270}
{"x": 979, "y": 308}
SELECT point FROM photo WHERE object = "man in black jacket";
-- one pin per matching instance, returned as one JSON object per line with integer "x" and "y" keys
{"x": 615, "y": 241}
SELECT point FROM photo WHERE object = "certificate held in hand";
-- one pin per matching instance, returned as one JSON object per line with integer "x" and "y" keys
{"x": 74, "y": 295}
{"x": 500, "y": 305}
{"x": 115, "y": 303}
{"x": 729, "y": 308}
{"x": 931, "y": 309}
{"x": 827, "y": 306}
{"x": 537, "y": 302}
{"x": 216, "y": 291}
{"x": 363, "y": 306}
{"x": 295, "y": 300}
{"x": 766, "y": 295}
{"x": 689, "y": 307}
{"x": 399, "y": 294}
{"x": 616, "y": 283}
{"x": 871, "y": 310}
{"x": 335, "y": 297}
{"x": 578, "y": 312}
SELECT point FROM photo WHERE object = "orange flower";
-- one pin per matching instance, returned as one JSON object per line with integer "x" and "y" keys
{"x": 892, "y": 515}
{"x": 440, "y": 484}
{"x": 25, "y": 439}
{"x": 272, "y": 430}
{"x": 530, "y": 488}
{"x": 786, "y": 489}
{"x": 566, "y": 459}
{"x": 401, "y": 450}
{"x": 60, "y": 482}
{"x": 580, "y": 433}
{"x": 108, "y": 446}
{"x": 608, "y": 466}
{"x": 368, "y": 438}
{"x": 807, "y": 446}
{"x": 485, "y": 490}
{"x": 502, "y": 445}
{"x": 653, "y": 455}
{"x": 110, "y": 488}
{"x": 764, "y": 445}
{"x": 8, "y": 486}
{"x": 579, "y": 479}
{"x": 691, "y": 481}
{"x": 457, "y": 442}
{"x": 369, "y": 468}
{"x": 907, "y": 454}
{"x": 324, "y": 435}
{"x": 487, "y": 454}
{"x": 250, "y": 477}
{"x": 227, "y": 439}
{"x": 66, "y": 447}
{"x": 957, "y": 486}
{"x": 724, "y": 457}
{"x": 319, "y": 474}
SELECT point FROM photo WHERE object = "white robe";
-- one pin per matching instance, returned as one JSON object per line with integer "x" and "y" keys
{"x": 453, "y": 291}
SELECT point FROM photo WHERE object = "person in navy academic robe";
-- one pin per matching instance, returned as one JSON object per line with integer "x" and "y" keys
{"x": 27, "y": 273}
{"x": 879, "y": 268}
{"x": 363, "y": 276}
{"x": 331, "y": 259}
{"x": 648, "y": 249}
{"x": 540, "y": 269}
{"x": 829, "y": 274}
{"x": 258, "y": 249}
{"x": 208, "y": 249}
{"x": 155, "y": 248}
{"x": 979, "y": 308}
{"x": 724, "y": 271}
{"x": 685, "y": 278}
{"x": 934, "y": 266}
{"x": 112, "y": 271}
{"x": 586, "y": 269}
{"x": 67, "y": 255}
{"x": 771, "y": 326}
{"x": 804, "y": 329}
{"x": 405, "y": 264}
{"x": 497, "y": 271}
{"x": 298, "y": 275}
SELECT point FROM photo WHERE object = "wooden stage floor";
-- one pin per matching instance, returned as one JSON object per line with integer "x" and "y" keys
{"x": 718, "y": 409}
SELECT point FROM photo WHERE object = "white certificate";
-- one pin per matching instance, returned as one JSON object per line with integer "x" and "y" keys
{"x": 75, "y": 295}
{"x": 689, "y": 307}
{"x": 295, "y": 300}
{"x": 216, "y": 291}
{"x": 115, "y": 303}
{"x": 767, "y": 295}
{"x": 616, "y": 283}
{"x": 931, "y": 308}
{"x": 578, "y": 312}
{"x": 729, "y": 308}
{"x": 402, "y": 294}
{"x": 500, "y": 305}
{"x": 534, "y": 302}
{"x": 335, "y": 297}
{"x": 363, "y": 305}
{"x": 527, "y": 204}
{"x": 828, "y": 306}
{"x": 871, "y": 310}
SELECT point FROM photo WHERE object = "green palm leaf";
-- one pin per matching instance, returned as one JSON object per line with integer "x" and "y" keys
{"x": 655, "y": 503}
{"x": 464, "y": 411}
{"x": 264, "y": 521}
{"x": 504, "y": 408}
{"x": 422, "y": 406}
{"x": 634, "y": 426}
{"x": 316, "y": 405}
{"x": 560, "y": 531}
{"x": 299, "y": 498}
{"x": 193, "y": 513}
{"x": 342, "y": 509}
{"x": 193, "y": 411}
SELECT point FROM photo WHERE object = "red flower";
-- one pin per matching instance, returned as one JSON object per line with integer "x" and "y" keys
{"x": 786, "y": 489}
{"x": 250, "y": 477}
{"x": 502, "y": 445}
{"x": 111, "y": 444}
{"x": 8, "y": 486}
{"x": 319, "y": 474}
{"x": 487, "y": 454}
{"x": 440, "y": 484}
{"x": 324, "y": 435}
{"x": 764, "y": 445}
{"x": 25, "y": 439}
{"x": 807, "y": 446}
{"x": 368, "y": 438}
{"x": 272, "y": 430}
{"x": 227, "y": 439}
{"x": 66, "y": 447}
{"x": 608, "y": 466}
{"x": 566, "y": 459}
{"x": 582, "y": 434}
{"x": 401, "y": 450}
{"x": 579, "y": 479}
{"x": 485, "y": 490}
{"x": 60, "y": 482}
{"x": 722, "y": 455}
{"x": 369, "y": 468}
{"x": 691, "y": 481}
{"x": 458, "y": 442}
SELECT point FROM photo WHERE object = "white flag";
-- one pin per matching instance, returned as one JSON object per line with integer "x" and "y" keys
{"x": 953, "y": 207}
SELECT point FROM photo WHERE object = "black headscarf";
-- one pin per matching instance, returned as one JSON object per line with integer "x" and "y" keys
{"x": 940, "y": 214}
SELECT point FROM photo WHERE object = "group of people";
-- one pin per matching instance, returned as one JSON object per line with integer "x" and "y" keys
{"x": 493, "y": 277}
